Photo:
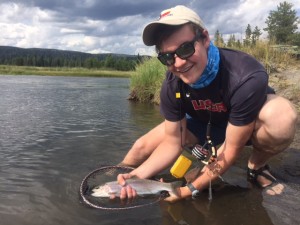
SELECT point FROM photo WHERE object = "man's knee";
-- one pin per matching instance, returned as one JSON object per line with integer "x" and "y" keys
{"x": 283, "y": 119}
{"x": 137, "y": 154}
{"x": 276, "y": 124}
{"x": 139, "y": 144}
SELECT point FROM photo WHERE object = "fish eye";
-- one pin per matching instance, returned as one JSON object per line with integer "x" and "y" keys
{"x": 164, "y": 194}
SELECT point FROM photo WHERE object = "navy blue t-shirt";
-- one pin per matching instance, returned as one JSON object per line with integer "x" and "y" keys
{"x": 236, "y": 94}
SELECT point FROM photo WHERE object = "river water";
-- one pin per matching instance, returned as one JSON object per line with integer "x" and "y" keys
{"x": 55, "y": 130}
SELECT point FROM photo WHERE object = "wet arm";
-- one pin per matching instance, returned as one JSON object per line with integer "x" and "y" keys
{"x": 166, "y": 153}
{"x": 236, "y": 138}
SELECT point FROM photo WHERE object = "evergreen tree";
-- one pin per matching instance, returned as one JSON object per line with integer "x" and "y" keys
{"x": 248, "y": 34}
{"x": 231, "y": 41}
{"x": 255, "y": 35}
{"x": 238, "y": 44}
{"x": 282, "y": 23}
{"x": 109, "y": 61}
{"x": 294, "y": 39}
{"x": 218, "y": 39}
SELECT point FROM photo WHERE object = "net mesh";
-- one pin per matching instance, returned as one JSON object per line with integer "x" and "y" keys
{"x": 106, "y": 174}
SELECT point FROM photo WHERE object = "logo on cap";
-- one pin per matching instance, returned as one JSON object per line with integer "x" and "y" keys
{"x": 165, "y": 14}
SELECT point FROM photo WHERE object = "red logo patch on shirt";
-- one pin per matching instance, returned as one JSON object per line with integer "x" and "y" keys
{"x": 209, "y": 105}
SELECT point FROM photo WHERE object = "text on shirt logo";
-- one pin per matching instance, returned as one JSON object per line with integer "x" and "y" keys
{"x": 209, "y": 105}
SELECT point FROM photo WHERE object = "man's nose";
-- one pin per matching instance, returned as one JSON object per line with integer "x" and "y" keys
{"x": 178, "y": 61}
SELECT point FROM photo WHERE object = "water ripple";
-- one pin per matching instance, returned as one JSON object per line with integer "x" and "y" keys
{"x": 53, "y": 131}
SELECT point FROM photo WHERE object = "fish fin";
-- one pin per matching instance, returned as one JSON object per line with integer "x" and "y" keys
{"x": 174, "y": 186}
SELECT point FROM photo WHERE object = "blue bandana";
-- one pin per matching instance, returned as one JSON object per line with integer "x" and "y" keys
{"x": 211, "y": 69}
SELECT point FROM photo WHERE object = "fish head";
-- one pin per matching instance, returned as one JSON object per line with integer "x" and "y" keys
{"x": 102, "y": 191}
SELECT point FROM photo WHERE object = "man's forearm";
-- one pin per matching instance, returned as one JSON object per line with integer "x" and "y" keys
{"x": 160, "y": 159}
{"x": 212, "y": 171}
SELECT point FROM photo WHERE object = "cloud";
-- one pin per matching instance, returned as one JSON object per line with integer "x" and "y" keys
{"x": 115, "y": 26}
{"x": 234, "y": 16}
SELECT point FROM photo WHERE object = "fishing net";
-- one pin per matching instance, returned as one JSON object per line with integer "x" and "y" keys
{"x": 106, "y": 174}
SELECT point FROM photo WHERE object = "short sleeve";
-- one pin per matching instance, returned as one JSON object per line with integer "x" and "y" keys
{"x": 170, "y": 105}
{"x": 248, "y": 99}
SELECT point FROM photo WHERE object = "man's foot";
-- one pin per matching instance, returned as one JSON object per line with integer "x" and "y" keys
{"x": 264, "y": 179}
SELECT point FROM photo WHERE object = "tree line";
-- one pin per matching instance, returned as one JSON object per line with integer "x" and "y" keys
{"x": 282, "y": 25}
{"x": 59, "y": 58}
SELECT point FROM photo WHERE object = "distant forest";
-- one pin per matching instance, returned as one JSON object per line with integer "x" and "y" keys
{"x": 59, "y": 58}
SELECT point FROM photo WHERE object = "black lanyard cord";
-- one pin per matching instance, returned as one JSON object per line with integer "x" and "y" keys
{"x": 206, "y": 153}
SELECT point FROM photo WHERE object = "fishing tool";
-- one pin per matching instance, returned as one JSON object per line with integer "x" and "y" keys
{"x": 207, "y": 153}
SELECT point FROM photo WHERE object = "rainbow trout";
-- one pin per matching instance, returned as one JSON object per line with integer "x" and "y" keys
{"x": 143, "y": 187}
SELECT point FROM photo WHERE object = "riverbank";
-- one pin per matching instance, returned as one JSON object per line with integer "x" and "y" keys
{"x": 286, "y": 83}
{"x": 61, "y": 71}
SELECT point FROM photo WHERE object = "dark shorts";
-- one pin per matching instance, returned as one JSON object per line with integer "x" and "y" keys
{"x": 198, "y": 128}
{"x": 217, "y": 132}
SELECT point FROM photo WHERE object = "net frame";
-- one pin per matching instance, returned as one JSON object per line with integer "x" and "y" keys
{"x": 84, "y": 189}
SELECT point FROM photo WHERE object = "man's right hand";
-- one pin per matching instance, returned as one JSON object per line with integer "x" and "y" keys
{"x": 127, "y": 192}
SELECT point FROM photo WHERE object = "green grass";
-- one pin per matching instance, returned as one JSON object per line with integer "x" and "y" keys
{"x": 270, "y": 57}
{"x": 61, "y": 71}
{"x": 145, "y": 83}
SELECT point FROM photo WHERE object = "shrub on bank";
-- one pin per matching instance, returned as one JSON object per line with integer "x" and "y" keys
{"x": 145, "y": 83}
{"x": 268, "y": 55}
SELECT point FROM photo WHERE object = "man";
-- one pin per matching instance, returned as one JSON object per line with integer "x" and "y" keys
{"x": 204, "y": 84}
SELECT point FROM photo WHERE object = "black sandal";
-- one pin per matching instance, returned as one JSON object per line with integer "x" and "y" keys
{"x": 253, "y": 174}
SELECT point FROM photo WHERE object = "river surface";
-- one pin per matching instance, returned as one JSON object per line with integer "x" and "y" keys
{"x": 55, "y": 130}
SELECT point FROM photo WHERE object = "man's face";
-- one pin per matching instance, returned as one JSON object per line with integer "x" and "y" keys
{"x": 188, "y": 70}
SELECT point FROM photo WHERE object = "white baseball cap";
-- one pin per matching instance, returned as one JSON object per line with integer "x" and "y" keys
{"x": 177, "y": 15}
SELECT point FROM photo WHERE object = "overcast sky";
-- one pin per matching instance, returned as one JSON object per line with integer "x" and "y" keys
{"x": 102, "y": 26}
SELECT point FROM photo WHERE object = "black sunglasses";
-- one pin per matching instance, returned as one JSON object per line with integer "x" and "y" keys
{"x": 184, "y": 51}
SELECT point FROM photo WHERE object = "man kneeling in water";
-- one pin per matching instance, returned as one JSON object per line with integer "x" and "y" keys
{"x": 205, "y": 84}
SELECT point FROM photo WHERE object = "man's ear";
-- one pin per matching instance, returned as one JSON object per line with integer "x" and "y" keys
{"x": 205, "y": 37}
